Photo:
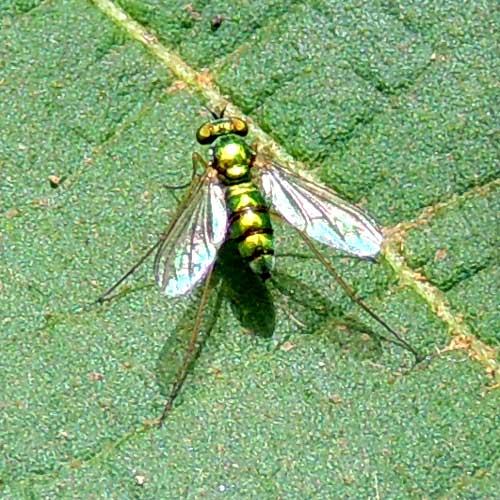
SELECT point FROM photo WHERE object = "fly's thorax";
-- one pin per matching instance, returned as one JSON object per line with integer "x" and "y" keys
{"x": 232, "y": 158}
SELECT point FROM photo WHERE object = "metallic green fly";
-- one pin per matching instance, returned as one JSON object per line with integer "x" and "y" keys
{"x": 231, "y": 200}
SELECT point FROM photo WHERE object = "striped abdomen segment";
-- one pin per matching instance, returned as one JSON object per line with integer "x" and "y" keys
{"x": 250, "y": 226}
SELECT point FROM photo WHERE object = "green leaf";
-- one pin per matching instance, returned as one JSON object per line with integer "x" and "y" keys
{"x": 392, "y": 104}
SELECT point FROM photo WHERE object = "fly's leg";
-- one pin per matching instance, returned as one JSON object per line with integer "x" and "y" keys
{"x": 106, "y": 295}
{"x": 190, "y": 354}
{"x": 350, "y": 293}
{"x": 198, "y": 162}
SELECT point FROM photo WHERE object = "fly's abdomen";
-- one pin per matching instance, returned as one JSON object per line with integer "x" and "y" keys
{"x": 250, "y": 226}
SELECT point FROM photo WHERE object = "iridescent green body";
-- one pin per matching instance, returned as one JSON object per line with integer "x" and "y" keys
{"x": 249, "y": 220}
{"x": 223, "y": 203}
{"x": 231, "y": 199}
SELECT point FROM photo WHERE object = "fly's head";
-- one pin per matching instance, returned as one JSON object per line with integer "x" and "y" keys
{"x": 218, "y": 127}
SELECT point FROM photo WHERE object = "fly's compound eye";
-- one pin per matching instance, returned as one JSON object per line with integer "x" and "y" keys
{"x": 239, "y": 126}
{"x": 206, "y": 134}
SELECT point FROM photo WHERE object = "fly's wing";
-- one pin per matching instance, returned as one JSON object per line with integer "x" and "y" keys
{"x": 191, "y": 242}
{"x": 319, "y": 212}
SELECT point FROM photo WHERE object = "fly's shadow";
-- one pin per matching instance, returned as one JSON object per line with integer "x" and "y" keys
{"x": 313, "y": 312}
{"x": 248, "y": 296}
{"x": 253, "y": 303}
{"x": 233, "y": 282}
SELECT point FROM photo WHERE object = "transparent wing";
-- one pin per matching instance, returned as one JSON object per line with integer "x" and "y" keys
{"x": 319, "y": 212}
{"x": 192, "y": 240}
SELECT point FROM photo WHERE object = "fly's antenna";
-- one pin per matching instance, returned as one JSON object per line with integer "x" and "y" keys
{"x": 217, "y": 115}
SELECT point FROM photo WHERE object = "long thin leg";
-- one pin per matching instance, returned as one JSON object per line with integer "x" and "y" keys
{"x": 190, "y": 354}
{"x": 198, "y": 161}
{"x": 174, "y": 186}
{"x": 350, "y": 293}
{"x": 131, "y": 271}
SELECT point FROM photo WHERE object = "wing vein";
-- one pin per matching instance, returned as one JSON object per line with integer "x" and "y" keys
{"x": 191, "y": 243}
{"x": 319, "y": 212}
